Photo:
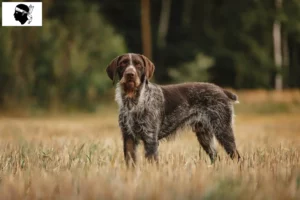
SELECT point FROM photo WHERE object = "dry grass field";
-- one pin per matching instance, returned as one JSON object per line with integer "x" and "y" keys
{"x": 80, "y": 157}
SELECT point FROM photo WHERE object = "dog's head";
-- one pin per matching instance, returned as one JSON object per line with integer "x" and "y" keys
{"x": 131, "y": 70}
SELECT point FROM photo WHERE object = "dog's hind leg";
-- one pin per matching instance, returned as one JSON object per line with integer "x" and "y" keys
{"x": 206, "y": 140}
{"x": 225, "y": 137}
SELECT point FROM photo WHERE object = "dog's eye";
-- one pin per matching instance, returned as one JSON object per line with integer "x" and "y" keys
{"x": 124, "y": 63}
{"x": 137, "y": 64}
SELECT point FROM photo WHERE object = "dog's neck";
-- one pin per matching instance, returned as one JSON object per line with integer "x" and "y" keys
{"x": 129, "y": 102}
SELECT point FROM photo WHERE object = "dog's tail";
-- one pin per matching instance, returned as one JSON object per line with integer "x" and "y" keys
{"x": 231, "y": 96}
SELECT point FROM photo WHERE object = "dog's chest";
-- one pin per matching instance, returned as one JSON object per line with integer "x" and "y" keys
{"x": 141, "y": 116}
{"x": 133, "y": 122}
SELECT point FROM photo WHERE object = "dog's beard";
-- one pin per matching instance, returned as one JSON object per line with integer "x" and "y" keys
{"x": 130, "y": 87}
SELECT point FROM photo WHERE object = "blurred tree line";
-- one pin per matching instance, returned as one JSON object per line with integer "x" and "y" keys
{"x": 229, "y": 43}
{"x": 61, "y": 63}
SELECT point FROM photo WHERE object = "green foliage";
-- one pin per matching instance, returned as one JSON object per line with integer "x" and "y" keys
{"x": 64, "y": 61}
{"x": 237, "y": 35}
{"x": 196, "y": 70}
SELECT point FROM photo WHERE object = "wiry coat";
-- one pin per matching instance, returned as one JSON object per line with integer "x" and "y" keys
{"x": 156, "y": 112}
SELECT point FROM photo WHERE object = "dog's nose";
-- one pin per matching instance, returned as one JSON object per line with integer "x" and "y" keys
{"x": 129, "y": 74}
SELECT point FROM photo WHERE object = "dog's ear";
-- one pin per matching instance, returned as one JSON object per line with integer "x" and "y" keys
{"x": 149, "y": 67}
{"x": 112, "y": 67}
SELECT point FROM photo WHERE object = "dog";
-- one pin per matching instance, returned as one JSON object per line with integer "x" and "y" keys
{"x": 151, "y": 112}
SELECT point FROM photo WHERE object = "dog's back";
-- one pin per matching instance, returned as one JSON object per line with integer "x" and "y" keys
{"x": 191, "y": 103}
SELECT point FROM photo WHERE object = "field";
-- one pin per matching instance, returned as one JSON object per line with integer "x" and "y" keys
{"x": 80, "y": 157}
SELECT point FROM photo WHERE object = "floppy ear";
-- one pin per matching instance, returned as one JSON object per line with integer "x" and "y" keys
{"x": 112, "y": 67}
{"x": 149, "y": 67}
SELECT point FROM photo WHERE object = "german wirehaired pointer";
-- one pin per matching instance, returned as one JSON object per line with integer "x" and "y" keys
{"x": 150, "y": 112}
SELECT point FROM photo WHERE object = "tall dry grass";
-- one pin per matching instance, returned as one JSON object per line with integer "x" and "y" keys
{"x": 80, "y": 157}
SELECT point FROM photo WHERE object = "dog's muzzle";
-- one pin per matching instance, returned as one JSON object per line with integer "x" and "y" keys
{"x": 130, "y": 74}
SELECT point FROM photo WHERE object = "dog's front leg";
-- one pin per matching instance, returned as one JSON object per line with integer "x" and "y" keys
{"x": 130, "y": 144}
{"x": 151, "y": 147}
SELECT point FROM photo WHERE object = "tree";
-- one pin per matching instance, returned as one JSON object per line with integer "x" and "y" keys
{"x": 146, "y": 28}
{"x": 64, "y": 65}
{"x": 277, "y": 48}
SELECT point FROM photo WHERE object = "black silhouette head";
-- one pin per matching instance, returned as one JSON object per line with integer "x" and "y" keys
{"x": 21, "y": 12}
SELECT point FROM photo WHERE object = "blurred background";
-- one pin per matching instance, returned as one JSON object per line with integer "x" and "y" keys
{"x": 247, "y": 45}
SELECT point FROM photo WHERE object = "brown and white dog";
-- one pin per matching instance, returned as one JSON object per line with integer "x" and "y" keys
{"x": 150, "y": 112}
